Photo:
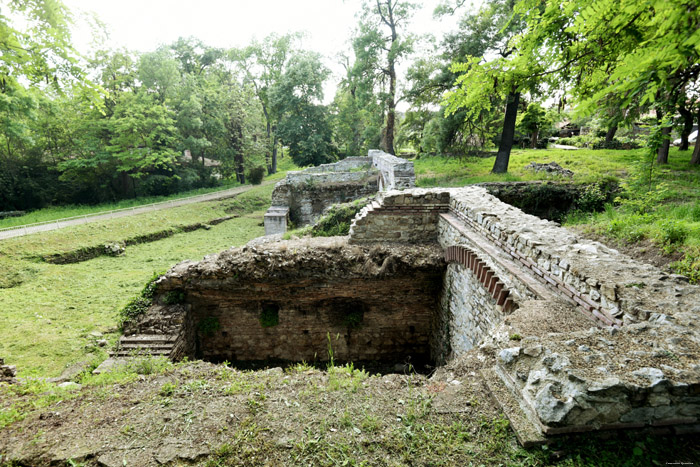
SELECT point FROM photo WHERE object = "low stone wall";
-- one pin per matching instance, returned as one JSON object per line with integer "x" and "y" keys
{"x": 409, "y": 217}
{"x": 396, "y": 173}
{"x": 302, "y": 197}
{"x": 308, "y": 193}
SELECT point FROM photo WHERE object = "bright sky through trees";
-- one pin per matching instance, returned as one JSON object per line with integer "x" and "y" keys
{"x": 143, "y": 25}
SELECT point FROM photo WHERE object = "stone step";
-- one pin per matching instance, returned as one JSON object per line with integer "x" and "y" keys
{"x": 150, "y": 347}
{"x": 140, "y": 351}
{"x": 150, "y": 337}
{"x": 151, "y": 344}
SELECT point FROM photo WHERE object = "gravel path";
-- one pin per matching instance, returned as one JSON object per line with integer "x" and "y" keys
{"x": 59, "y": 223}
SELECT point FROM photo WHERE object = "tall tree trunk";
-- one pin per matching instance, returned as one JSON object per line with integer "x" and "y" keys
{"x": 503, "y": 156}
{"x": 662, "y": 156}
{"x": 695, "y": 158}
{"x": 610, "y": 134}
{"x": 268, "y": 127}
{"x": 533, "y": 143}
{"x": 391, "y": 113}
{"x": 687, "y": 127}
{"x": 391, "y": 100}
{"x": 273, "y": 167}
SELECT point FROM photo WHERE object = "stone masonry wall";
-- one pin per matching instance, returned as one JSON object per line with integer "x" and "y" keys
{"x": 400, "y": 217}
{"x": 375, "y": 302}
{"x": 307, "y": 201}
{"x": 308, "y": 193}
{"x": 603, "y": 342}
{"x": 396, "y": 173}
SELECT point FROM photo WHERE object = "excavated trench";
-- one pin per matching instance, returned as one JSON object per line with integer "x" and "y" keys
{"x": 308, "y": 301}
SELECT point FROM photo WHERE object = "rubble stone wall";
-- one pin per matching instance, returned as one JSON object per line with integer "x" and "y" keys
{"x": 283, "y": 301}
{"x": 308, "y": 193}
{"x": 396, "y": 173}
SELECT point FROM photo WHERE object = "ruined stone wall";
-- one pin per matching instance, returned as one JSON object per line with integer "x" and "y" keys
{"x": 308, "y": 193}
{"x": 309, "y": 196}
{"x": 582, "y": 337}
{"x": 595, "y": 340}
{"x": 407, "y": 217}
{"x": 396, "y": 173}
{"x": 284, "y": 300}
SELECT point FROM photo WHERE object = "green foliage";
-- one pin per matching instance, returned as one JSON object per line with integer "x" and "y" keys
{"x": 208, "y": 326}
{"x": 304, "y": 125}
{"x": 688, "y": 266}
{"x": 269, "y": 315}
{"x": 673, "y": 232}
{"x": 353, "y": 319}
{"x": 140, "y": 304}
{"x": 592, "y": 199}
{"x": 337, "y": 219}
{"x": 256, "y": 174}
{"x": 174, "y": 297}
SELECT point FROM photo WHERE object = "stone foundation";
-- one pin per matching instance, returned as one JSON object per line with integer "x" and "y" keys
{"x": 307, "y": 194}
{"x": 583, "y": 338}
{"x": 284, "y": 302}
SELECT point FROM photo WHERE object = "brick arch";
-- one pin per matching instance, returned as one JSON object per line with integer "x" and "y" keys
{"x": 484, "y": 274}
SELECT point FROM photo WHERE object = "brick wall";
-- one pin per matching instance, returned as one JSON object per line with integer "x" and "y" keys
{"x": 400, "y": 217}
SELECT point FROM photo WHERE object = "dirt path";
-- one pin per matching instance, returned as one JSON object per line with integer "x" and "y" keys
{"x": 59, "y": 223}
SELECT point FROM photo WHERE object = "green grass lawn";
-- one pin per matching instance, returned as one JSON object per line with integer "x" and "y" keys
{"x": 48, "y": 311}
{"x": 587, "y": 165}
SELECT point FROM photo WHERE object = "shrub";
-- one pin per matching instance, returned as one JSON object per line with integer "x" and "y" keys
{"x": 174, "y": 297}
{"x": 592, "y": 199}
{"x": 688, "y": 266}
{"x": 209, "y": 325}
{"x": 337, "y": 219}
{"x": 673, "y": 232}
{"x": 256, "y": 174}
{"x": 140, "y": 304}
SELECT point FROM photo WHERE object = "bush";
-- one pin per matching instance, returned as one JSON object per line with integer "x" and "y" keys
{"x": 256, "y": 174}
{"x": 337, "y": 220}
{"x": 673, "y": 232}
{"x": 140, "y": 304}
{"x": 617, "y": 143}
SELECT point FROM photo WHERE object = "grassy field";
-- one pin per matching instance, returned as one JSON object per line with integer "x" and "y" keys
{"x": 60, "y": 305}
{"x": 659, "y": 205}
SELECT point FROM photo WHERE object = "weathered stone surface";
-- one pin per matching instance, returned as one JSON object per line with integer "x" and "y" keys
{"x": 374, "y": 301}
{"x": 594, "y": 348}
{"x": 307, "y": 194}
{"x": 7, "y": 372}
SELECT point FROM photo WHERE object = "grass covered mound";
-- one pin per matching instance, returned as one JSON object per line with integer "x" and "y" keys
{"x": 214, "y": 415}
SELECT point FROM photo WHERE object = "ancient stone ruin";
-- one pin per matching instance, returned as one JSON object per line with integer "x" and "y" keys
{"x": 579, "y": 337}
{"x": 303, "y": 196}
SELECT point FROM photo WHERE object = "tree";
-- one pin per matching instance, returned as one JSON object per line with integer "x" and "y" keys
{"x": 158, "y": 72}
{"x": 533, "y": 121}
{"x": 263, "y": 64}
{"x": 497, "y": 72}
{"x": 379, "y": 46}
{"x": 643, "y": 53}
{"x": 304, "y": 125}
